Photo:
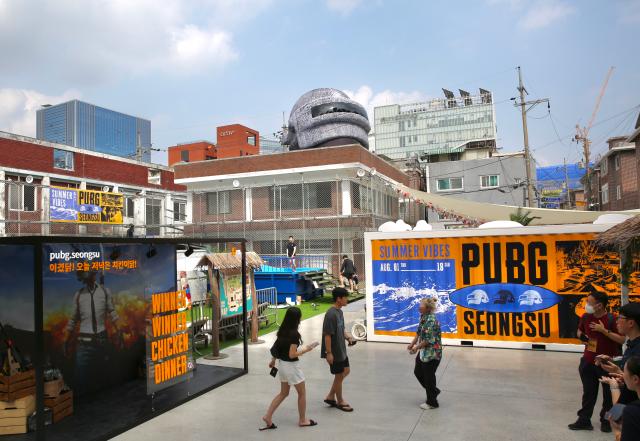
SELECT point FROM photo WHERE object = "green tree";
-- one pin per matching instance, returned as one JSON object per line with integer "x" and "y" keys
{"x": 522, "y": 217}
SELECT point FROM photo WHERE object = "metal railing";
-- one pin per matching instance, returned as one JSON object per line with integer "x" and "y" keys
{"x": 267, "y": 305}
{"x": 275, "y": 263}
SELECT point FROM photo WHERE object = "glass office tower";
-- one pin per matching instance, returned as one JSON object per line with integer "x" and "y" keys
{"x": 269, "y": 146}
{"x": 447, "y": 126}
{"x": 95, "y": 128}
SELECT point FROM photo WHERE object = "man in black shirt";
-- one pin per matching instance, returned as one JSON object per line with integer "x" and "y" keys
{"x": 628, "y": 325}
{"x": 628, "y": 427}
{"x": 292, "y": 250}
{"x": 347, "y": 271}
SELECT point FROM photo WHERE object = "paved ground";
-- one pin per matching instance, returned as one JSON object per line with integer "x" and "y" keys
{"x": 487, "y": 394}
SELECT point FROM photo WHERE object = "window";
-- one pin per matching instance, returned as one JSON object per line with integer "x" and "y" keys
{"x": 154, "y": 176}
{"x": 319, "y": 195}
{"x": 616, "y": 162}
{"x": 605, "y": 194}
{"x": 489, "y": 181}
{"x": 604, "y": 167}
{"x": 179, "y": 211}
{"x": 251, "y": 140}
{"x": 618, "y": 193}
{"x": 218, "y": 203}
{"x": 184, "y": 155}
{"x": 355, "y": 195}
{"x": 62, "y": 159}
{"x": 128, "y": 207}
{"x": 153, "y": 208}
{"x": 448, "y": 184}
{"x": 22, "y": 196}
{"x": 287, "y": 197}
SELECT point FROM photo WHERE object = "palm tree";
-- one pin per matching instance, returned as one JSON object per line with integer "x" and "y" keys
{"x": 523, "y": 218}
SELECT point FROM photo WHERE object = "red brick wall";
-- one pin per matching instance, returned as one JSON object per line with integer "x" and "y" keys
{"x": 200, "y": 208}
{"x": 295, "y": 159}
{"x": 626, "y": 177}
{"x": 38, "y": 158}
{"x": 637, "y": 158}
{"x": 198, "y": 151}
{"x": 232, "y": 141}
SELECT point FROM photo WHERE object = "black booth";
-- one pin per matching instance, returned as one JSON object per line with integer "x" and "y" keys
{"x": 97, "y": 336}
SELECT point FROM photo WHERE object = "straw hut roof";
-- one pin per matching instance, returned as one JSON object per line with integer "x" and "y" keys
{"x": 621, "y": 235}
{"x": 229, "y": 261}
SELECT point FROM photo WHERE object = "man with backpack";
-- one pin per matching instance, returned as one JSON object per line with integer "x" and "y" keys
{"x": 598, "y": 331}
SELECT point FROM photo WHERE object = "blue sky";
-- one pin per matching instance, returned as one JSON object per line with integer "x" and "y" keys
{"x": 190, "y": 66}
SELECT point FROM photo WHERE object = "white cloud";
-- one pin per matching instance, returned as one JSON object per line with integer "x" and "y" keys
{"x": 18, "y": 108}
{"x": 365, "y": 96}
{"x": 91, "y": 42}
{"x": 544, "y": 13}
{"x": 192, "y": 47}
{"x": 343, "y": 7}
{"x": 514, "y": 4}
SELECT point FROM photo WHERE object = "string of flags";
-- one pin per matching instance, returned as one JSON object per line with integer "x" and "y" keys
{"x": 443, "y": 213}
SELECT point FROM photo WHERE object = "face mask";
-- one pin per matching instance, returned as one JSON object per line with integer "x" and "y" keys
{"x": 590, "y": 309}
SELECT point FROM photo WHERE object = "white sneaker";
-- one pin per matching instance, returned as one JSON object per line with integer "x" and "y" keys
{"x": 425, "y": 406}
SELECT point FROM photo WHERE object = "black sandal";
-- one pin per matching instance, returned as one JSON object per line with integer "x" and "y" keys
{"x": 311, "y": 423}
{"x": 331, "y": 403}
{"x": 272, "y": 426}
{"x": 344, "y": 407}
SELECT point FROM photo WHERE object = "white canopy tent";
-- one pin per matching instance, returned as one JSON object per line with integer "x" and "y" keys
{"x": 483, "y": 212}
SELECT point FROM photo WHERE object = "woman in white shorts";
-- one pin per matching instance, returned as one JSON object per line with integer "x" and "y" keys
{"x": 286, "y": 351}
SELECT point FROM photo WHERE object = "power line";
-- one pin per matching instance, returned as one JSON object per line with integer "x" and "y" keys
{"x": 629, "y": 118}
{"x": 594, "y": 125}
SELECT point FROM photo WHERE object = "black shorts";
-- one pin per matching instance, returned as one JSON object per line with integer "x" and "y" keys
{"x": 349, "y": 276}
{"x": 338, "y": 367}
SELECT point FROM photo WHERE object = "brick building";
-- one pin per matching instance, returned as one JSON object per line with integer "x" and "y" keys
{"x": 29, "y": 168}
{"x": 325, "y": 197}
{"x": 635, "y": 140}
{"x": 192, "y": 152}
{"x": 233, "y": 141}
{"x": 614, "y": 179}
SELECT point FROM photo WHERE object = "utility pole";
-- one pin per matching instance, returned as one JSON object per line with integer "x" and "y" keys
{"x": 582, "y": 135}
{"x": 566, "y": 182}
{"x": 525, "y": 131}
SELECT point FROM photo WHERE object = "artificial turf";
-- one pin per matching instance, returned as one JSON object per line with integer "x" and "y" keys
{"x": 309, "y": 309}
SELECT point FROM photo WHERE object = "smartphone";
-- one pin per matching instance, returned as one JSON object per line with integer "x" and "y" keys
{"x": 618, "y": 362}
{"x": 274, "y": 372}
{"x": 353, "y": 342}
{"x": 615, "y": 413}
{"x": 584, "y": 337}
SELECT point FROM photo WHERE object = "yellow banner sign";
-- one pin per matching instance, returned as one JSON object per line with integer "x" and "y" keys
{"x": 85, "y": 206}
{"x": 526, "y": 288}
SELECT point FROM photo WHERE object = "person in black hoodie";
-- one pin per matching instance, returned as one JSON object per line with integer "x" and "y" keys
{"x": 347, "y": 271}
{"x": 628, "y": 427}
{"x": 285, "y": 350}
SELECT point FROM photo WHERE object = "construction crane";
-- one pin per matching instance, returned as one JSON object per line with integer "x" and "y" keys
{"x": 582, "y": 136}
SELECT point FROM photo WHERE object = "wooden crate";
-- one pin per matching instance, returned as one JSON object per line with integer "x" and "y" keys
{"x": 61, "y": 406}
{"x": 18, "y": 408}
{"x": 53, "y": 388}
{"x": 12, "y": 396}
{"x": 17, "y": 386}
{"x": 9, "y": 426}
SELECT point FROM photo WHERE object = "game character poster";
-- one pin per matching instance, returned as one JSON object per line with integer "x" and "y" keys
{"x": 96, "y": 304}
